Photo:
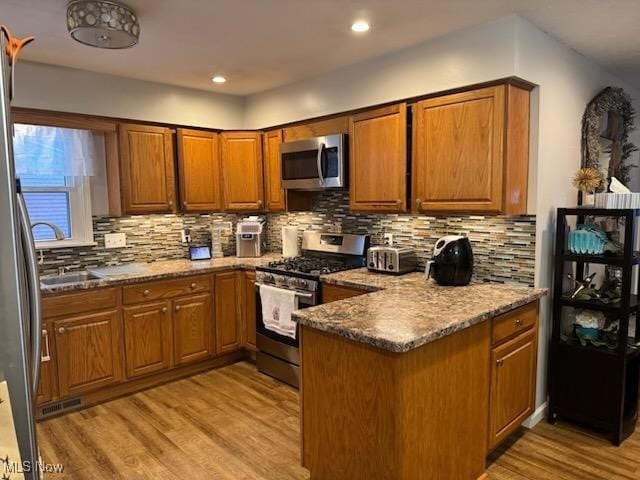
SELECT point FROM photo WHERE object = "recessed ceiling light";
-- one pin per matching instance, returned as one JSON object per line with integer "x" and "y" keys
{"x": 360, "y": 26}
{"x": 218, "y": 79}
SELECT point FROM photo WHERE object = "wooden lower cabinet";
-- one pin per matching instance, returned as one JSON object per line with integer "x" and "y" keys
{"x": 333, "y": 293}
{"x": 148, "y": 338}
{"x": 192, "y": 328}
{"x": 89, "y": 353}
{"x": 47, "y": 384}
{"x": 513, "y": 385}
{"x": 249, "y": 314}
{"x": 228, "y": 312}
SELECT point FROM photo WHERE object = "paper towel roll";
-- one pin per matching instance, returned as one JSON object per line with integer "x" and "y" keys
{"x": 290, "y": 242}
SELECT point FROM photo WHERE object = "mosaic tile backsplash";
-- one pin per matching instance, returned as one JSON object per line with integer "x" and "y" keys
{"x": 504, "y": 247}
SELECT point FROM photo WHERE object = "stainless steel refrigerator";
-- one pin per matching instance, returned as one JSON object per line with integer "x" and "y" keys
{"x": 20, "y": 307}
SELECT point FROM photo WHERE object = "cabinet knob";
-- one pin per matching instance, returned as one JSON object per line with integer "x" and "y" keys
{"x": 171, "y": 203}
{"x": 519, "y": 322}
{"x": 178, "y": 308}
{"x": 398, "y": 202}
{"x": 164, "y": 310}
{"x": 500, "y": 362}
{"x": 418, "y": 201}
{"x": 146, "y": 293}
{"x": 193, "y": 285}
{"x": 62, "y": 330}
{"x": 259, "y": 203}
{"x": 184, "y": 203}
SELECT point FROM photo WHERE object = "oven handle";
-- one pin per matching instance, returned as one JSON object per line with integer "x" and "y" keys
{"x": 319, "y": 162}
{"x": 299, "y": 294}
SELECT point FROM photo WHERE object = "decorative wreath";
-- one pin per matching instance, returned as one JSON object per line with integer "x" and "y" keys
{"x": 609, "y": 101}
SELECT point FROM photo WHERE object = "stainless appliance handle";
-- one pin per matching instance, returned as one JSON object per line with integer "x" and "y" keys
{"x": 33, "y": 284}
{"x": 427, "y": 270}
{"x": 319, "y": 162}
{"x": 299, "y": 294}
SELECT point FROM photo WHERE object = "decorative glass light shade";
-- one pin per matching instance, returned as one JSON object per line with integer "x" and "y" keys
{"x": 102, "y": 23}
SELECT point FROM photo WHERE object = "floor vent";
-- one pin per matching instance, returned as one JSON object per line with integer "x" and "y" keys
{"x": 60, "y": 407}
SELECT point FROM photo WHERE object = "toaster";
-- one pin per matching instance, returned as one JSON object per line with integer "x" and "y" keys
{"x": 391, "y": 259}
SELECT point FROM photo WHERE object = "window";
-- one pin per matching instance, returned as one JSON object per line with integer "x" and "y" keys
{"x": 54, "y": 165}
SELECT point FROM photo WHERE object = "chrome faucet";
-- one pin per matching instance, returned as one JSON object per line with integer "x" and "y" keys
{"x": 56, "y": 230}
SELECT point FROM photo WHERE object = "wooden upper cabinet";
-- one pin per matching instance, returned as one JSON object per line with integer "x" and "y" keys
{"x": 242, "y": 171}
{"x": 147, "y": 169}
{"x": 88, "y": 348}
{"x": 199, "y": 175}
{"x": 275, "y": 195}
{"x": 471, "y": 151}
{"x": 378, "y": 160}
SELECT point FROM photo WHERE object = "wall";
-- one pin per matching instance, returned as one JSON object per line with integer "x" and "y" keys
{"x": 503, "y": 247}
{"x": 567, "y": 82}
{"x": 64, "y": 89}
{"x": 149, "y": 238}
{"x": 462, "y": 58}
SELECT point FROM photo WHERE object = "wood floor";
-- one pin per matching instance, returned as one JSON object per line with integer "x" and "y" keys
{"x": 234, "y": 423}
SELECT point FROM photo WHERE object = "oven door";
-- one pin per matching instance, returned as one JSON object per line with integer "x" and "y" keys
{"x": 305, "y": 300}
{"x": 314, "y": 164}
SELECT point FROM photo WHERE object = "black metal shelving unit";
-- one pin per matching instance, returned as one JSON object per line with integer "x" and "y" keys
{"x": 595, "y": 386}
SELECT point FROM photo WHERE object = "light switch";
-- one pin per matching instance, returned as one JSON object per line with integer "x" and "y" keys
{"x": 115, "y": 240}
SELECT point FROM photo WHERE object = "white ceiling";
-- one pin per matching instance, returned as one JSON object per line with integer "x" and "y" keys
{"x": 262, "y": 44}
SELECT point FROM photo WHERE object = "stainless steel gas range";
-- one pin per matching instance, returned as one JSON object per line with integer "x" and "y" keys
{"x": 322, "y": 253}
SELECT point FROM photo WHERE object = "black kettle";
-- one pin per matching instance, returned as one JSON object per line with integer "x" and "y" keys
{"x": 452, "y": 261}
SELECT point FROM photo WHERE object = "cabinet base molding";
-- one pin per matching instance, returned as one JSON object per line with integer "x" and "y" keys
{"x": 121, "y": 389}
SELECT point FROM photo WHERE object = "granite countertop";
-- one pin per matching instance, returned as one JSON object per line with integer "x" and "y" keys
{"x": 408, "y": 311}
{"x": 165, "y": 269}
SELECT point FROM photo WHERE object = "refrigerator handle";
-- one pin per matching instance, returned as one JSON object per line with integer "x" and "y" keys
{"x": 33, "y": 282}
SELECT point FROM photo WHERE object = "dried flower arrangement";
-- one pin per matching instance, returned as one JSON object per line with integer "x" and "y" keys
{"x": 587, "y": 179}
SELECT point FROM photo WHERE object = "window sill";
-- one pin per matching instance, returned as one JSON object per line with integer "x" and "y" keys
{"x": 55, "y": 244}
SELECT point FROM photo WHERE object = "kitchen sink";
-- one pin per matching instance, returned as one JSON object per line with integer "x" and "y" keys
{"x": 68, "y": 278}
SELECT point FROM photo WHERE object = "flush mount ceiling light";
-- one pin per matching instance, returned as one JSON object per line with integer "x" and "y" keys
{"x": 360, "y": 26}
{"x": 102, "y": 24}
{"x": 218, "y": 79}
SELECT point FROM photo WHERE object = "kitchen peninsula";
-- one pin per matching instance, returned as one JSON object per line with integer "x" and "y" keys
{"x": 414, "y": 380}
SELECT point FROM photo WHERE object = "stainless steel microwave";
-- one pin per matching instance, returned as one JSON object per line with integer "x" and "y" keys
{"x": 315, "y": 164}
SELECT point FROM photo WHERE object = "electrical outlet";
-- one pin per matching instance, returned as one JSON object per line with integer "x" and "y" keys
{"x": 115, "y": 240}
{"x": 388, "y": 239}
{"x": 186, "y": 235}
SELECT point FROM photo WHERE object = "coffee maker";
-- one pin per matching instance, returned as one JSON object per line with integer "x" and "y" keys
{"x": 452, "y": 261}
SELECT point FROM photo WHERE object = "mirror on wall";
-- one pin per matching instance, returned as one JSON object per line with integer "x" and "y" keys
{"x": 606, "y": 124}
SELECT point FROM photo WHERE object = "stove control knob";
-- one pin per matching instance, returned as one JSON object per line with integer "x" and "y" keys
{"x": 268, "y": 277}
{"x": 303, "y": 283}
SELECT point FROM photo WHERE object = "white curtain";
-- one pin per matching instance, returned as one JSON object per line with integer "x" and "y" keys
{"x": 54, "y": 151}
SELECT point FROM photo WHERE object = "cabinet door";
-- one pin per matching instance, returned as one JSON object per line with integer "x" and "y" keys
{"x": 199, "y": 171}
{"x": 148, "y": 338}
{"x": 192, "y": 327}
{"x": 228, "y": 312}
{"x": 46, "y": 390}
{"x": 88, "y": 352}
{"x": 378, "y": 160}
{"x": 250, "y": 309}
{"x": 513, "y": 385}
{"x": 274, "y": 193}
{"x": 242, "y": 170}
{"x": 458, "y": 161}
{"x": 148, "y": 180}
{"x": 333, "y": 293}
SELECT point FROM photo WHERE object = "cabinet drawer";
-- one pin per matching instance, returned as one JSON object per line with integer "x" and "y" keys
{"x": 150, "y": 291}
{"x": 79, "y": 302}
{"x": 514, "y": 322}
